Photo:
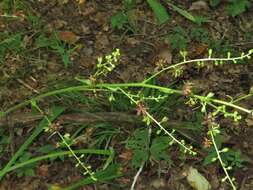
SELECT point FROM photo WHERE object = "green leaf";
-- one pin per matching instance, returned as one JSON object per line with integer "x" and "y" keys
{"x": 183, "y": 12}
{"x": 139, "y": 157}
{"x": 159, "y": 147}
{"x": 66, "y": 60}
{"x": 178, "y": 41}
{"x": 214, "y": 3}
{"x": 160, "y": 12}
{"x": 42, "y": 41}
{"x": 237, "y": 7}
{"x": 119, "y": 20}
{"x": 139, "y": 143}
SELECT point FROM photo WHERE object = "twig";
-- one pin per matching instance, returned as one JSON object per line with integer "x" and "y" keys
{"x": 27, "y": 86}
{"x": 137, "y": 176}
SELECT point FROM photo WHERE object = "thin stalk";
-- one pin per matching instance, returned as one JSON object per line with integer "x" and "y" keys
{"x": 195, "y": 61}
{"x": 114, "y": 87}
{"x": 221, "y": 162}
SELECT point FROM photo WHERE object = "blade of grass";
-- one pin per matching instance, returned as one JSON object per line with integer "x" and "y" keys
{"x": 56, "y": 111}
{"x": 183, "y": 12}
{"x": 159, "y": 10}
{"x": 112, "y": 172}
{"x": 61, "y": 153}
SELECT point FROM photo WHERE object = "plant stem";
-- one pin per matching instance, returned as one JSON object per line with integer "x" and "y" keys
{"x": 221, "y": 162}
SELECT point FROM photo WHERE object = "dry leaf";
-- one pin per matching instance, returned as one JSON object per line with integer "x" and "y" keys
{"x": 80, "y": 2}
{"x": 197, "y": 180}
{"x": 162, "y": 56}
{"x": 126, "y": 156}
{"x": 42, "y": 170}
{"x": 198, "y": 50}
{"x": 199, "y": 5}
{"x": 68, "y": 36}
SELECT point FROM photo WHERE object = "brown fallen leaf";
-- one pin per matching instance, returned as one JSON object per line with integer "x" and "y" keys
{"x": 126, "y": 155}
{"x": 42, "y": 170}
{"x": 162, "y": 56}
{"x": 198, "y": 49}
{"x": 68, "y": 36}
{"x": 199, "y": 5}
{"x": 81, "y": 1}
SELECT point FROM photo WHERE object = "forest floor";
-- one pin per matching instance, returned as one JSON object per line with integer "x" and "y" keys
{"x": 45, "y": 45}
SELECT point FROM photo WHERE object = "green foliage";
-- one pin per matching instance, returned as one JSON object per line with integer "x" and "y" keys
{"x": 195, "y": 19}
{"x": 56, "y": 111}
{"x": 124, "y": 18}
{"x": 112, "y": 172}
{"x": 54, "y": 43}
{"x": 160, "y": 12}
{"x": 200, "y": 35}
{"x": 159, "y": 149}
{"x": 178, "y": 39}
{"x": 4, "y": 141}
{"x": 27, "y": 170}
{"x": 142, "y": 151}
{"x": 237, "y": 7}
{"x": 230, "y": 157}
{"x": 214, "y": 3}
{"x": 103, "y": 134}
{"x": 234, "y": 7}
{"x": 144, "y": 147}
{"x": 12, "y": 43}
{"x": 119, "y": 20}
{"x": 139, "y": 143}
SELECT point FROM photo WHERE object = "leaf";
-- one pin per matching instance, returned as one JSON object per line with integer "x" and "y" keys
{"x": 209, "y": 159}
{"x": 139, "y": 144}
{"x": 199, "y": 5}
{"x": 160, "y": 12}
{"x": 197, "y": 180}
{"x": 119, "y": 20}
{"x": 139, "y": 157}
{"x": 178, "y": 41}
{"x": 183, "y": 12}
{"x": 237, "y": 7}
{"x": 214, "y": 3}
{"x": 42, "y": 41}
{"x": 158, "y": 148}
{"x": 68, "y": 37}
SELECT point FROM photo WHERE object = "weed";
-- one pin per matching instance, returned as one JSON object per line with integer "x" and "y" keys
{"x": 124, "y": 19}
{"x": 27, "y": 170}
{"x": 55, "y": 44}
{"x": 144, "y": 145}
{"x": 234, "y": 7}
{"x": 161, "y": 13}
{"x": 4, "y": 141}
{"x": 178, "y": 39}
{"x": 200, "y": 35}
{"x": 11, "y": 44}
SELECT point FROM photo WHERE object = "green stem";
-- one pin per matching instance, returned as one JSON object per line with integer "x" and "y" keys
{"x": 221, "y": 162}
{"x": 195, "y": 61}
{"x": 58, "y": 154}
{"x": 115, "y": 86}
